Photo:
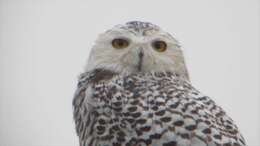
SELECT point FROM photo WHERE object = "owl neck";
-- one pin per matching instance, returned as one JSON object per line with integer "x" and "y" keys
{"x": 98, "y": 75}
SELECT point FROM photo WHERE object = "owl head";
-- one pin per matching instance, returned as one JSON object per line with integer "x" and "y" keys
{"x": 137, "y": 47}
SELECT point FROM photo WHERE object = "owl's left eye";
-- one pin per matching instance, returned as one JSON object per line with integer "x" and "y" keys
{"x": 120, "y": 43}
{"x": 159, "y": 46}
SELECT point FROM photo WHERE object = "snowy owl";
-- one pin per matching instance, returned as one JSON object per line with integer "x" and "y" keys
{"x": 135, "y": 91}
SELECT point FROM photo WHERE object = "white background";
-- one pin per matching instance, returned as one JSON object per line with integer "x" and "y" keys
{"x": 44, "y": 46}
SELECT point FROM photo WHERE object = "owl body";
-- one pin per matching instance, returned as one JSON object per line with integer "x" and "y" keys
{"x": 135, "y": 91}
{"x": 157, "y": 109}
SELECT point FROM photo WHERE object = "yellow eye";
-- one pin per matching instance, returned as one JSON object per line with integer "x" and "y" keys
{"x": 159, "y": 46}
{"x": 120, "y": 43}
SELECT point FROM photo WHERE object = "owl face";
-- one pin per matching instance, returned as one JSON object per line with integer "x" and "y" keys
{"x": 136, "y": 47}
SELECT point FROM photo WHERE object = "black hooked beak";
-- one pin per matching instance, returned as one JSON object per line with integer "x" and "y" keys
{"x": 140, "y": 63}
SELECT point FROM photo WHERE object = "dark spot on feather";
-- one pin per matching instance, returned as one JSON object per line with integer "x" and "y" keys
{"x": 141, "y": 121}
{"x": 120, "y": 133}
{"x": 194, "y": 112}
{"x": 126, "y": 114}
{"x": 115, "y": 128}
{"x": 172, "y": 143}
{"x": 117, "y": 103}
{"x": 191, "y": 127}
{"x": 139, "y": 132}
{"x": 135, "y": 102}
{"x": 159, "y": 103}
{"x": 217, "y": 136}
{"x": 120, "y": 139}
{"x": 228, "y": 127}
{"x": 146, "y": 128}
{"x": 155, "y": 108}
{"x": 136, "y": 115}
{"x": 207, "y": 122}
{"x": 117, "y": 109}
{"x": 146, "y": 141}
{"x": 207, "y": 131}
{"x": 150, "y": 115}
{"x": 101, "y": 74}
{"x": 227, "y": 144}
{"x": 160, "y": 113}
{"x": 100, "y": 130}
{"x": 185, "y": 136}
{"x": 101, "y": 121}
{"x": 130, "y": 120}
{"x": 132, "y": 109}
{"x": 242, "y": 141}
{"x": 116, "y": 144}
{"x": 166, "y": 119}
{"x": 178, "y": 123}
{"x": 156, "y": 136}
{"x": 175, "y": 105}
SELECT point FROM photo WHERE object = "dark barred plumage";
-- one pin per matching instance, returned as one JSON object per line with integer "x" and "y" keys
{"x": 151, "y": 109}
{"x": 140, "y": 26}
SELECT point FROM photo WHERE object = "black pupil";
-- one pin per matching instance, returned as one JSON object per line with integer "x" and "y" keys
{"x": 120, "y": 43}
{"x": 159, "y": 45}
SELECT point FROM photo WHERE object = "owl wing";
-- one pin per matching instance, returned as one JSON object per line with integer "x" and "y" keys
{"x": 85, "y": 107}
{"x": 82, "y": 112}
{"x": 215, "y": 126}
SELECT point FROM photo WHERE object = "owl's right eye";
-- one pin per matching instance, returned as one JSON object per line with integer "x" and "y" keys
{"x": 120, "y": 43}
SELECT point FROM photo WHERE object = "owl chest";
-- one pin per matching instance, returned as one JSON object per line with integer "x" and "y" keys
{"x": 122, "y": 114}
